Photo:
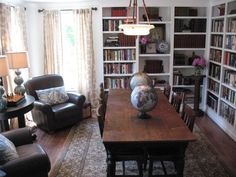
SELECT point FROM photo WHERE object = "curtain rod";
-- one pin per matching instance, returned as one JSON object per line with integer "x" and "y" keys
{"x": 41, "y": 10}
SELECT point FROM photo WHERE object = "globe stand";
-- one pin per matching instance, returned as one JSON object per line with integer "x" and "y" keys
{"x": 143, "y": 115}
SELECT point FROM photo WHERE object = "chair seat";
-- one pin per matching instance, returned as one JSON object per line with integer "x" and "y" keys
{"x": 65, "y": 110}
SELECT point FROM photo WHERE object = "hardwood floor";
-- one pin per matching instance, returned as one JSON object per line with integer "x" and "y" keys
{"x": 222, "y": 144}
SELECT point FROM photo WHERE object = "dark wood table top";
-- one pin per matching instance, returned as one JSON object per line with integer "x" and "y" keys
{"x": 123, "y": 125}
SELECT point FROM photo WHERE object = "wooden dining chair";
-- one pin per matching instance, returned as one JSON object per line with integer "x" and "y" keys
{"x": 176, "y": 100}
{"x": 171, "y": 154}
{"x": 167, "y": 90}
{"x": 125, "y": 154}
{"x": 188, "y": 116}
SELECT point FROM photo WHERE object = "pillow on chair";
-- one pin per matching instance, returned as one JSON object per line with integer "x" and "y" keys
{"x": 53, "y": 96}
{"x": 7, "y": 150}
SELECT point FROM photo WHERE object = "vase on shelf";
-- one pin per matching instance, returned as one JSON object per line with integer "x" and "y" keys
{"x": 142, "y": 48}
{"x": 198, "y": 71}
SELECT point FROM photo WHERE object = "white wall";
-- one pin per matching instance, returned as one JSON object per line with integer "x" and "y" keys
{"x": 35, "y": 33}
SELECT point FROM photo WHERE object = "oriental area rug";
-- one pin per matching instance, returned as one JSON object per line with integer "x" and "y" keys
{"x": 84, "y": 156}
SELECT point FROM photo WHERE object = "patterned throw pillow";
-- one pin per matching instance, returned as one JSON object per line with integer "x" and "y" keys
{"x": 53, "y": 96}
{"x": 7, "y": 150}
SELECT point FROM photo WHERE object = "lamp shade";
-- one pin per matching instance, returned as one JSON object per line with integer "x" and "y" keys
{"x": 136, "y": 29}
{"x": 17, "y": 60}
{"x": 4, "y": 71}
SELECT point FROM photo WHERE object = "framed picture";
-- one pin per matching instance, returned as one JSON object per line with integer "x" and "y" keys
{"x": 151, "y": 48}
{"x": 157, "y": 34}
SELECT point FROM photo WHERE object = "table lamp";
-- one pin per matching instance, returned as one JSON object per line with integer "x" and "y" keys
{"x": 17, "y": 60}
{"x": 3, "y": 72}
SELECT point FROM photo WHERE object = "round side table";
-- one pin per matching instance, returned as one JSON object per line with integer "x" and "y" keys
{"x": 17, "y": 111}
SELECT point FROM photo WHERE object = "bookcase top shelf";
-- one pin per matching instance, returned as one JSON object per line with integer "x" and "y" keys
{"x": 190, "y": 17}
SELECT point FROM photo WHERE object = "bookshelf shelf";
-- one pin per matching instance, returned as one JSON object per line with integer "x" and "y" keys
{"x": 122, "y": 61}
{"x": 158, "y": 74}
{"x": 222, "y": 66}
{"x": 215, "y": 62}
{"x": 214, "y": 79}
{"x": 117, "y": 75}
{"x": 184, "y": 66}
{"x": 154, "y": 55}
{"x": 229, "y": 103}
{"x": 112, "y": 32}
{"x": 195, "y": 49}
{"x": 132, "y": 47}
{"x": 212, "y": 92}
{"x": 156, "y": 22}
{"x": 190, "y": 17}
{"x": 189, "y": 33}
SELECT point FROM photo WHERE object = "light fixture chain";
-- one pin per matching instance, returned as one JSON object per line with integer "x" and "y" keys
{"x": 145, "y": 9}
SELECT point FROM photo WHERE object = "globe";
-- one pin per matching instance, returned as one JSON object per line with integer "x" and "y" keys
{"x": 144, "y": 99}
{"x": 140, "y": 78}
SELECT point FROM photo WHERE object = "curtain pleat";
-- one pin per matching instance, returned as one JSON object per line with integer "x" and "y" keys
{"x": 84, "y": 53}
{"x": 52, "y": 42}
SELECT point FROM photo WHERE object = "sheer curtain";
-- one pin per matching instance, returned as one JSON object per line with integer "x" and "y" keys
{"x": 53, "y": 62}
{"x": 84, "y": 53}
{"x": 12, "y": 38}
{"x": 68, "y": 44}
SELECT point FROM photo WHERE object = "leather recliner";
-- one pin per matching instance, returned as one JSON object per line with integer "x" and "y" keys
{"x": 33, "y": 161}
{"x": 54, "y": 117}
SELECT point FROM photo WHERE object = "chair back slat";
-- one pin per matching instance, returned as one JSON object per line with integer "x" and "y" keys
{"x": 167, "y": 90}
{"x": 101, "y": 118}
{"x": 188, "y": 116}
{"x": 176, "y": 100}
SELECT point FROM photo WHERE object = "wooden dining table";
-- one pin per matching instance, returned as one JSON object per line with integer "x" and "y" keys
{"x": 123, "y": 128}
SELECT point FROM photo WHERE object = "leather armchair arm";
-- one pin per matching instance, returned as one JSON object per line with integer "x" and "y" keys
{"x": 19, "y": 166}
{"x": 44, "y": 107}
{"x": 20, "y": 136}
{"x": 76, "y": 98}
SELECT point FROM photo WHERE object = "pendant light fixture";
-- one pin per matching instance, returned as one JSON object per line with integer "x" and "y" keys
{"x": 131, "y": 26}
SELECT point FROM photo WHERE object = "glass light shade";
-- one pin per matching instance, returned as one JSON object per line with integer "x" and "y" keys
{"x": 136, "y": 29}
{"x": 4, "y": 71}
{"x": 17, "y": 60}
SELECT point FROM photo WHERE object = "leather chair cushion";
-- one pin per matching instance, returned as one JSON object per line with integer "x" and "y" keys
{"x": 7, "y": 150}
{"x": 32, "y": 159}
{"x": 52, "y": 96}
{"x": 63, "y": 110}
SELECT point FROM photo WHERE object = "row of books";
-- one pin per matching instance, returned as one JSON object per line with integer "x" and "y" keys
{"x": 227, "y": 112}
{"x": 125, "y": 40}
{"x": 179, "y": 79}
{"x": 213, "y": 86}
{"x": 217, "y": 40}
{"x": 217, "y": 26}
{"x": 194, "y": 25}
{"x": 186, "y": 11}
{"x": 230, "y": 42}
{"x": 118, "y": 55}
{"x": 215, "y": 55}
{"x": 118, "y": 68}
{"x": 118, "y": 11}
{"x": 120, "y": 40}
{"x": 189, "y": 41}
{"x": 112, "y": 25}
{"x": 214, "y": 71}
{"x": 115, "y": 83}
{"x": 112, "y": 41}
{"x": 230, "y": 77}
{"x": 232, "y": 25}
{"x": 229, "y": 95}
{"x": 230, "y": 59}
{"x": 212, "y": 101}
